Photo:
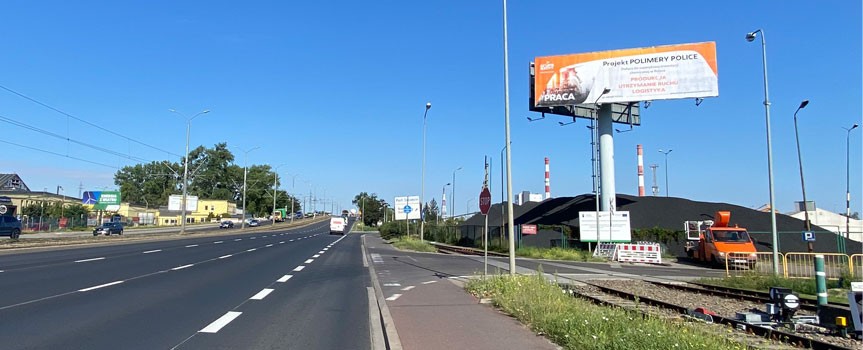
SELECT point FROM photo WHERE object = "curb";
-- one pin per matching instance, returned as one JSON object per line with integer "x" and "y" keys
{"x": 389, "y": 333}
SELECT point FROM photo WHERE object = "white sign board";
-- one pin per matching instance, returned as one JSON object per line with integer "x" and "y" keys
{"x": 407, "y": 208}
{"x": 175, "y": 202}
{"x": 611, "y": 229}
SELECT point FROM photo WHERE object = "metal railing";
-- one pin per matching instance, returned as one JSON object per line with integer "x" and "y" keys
{"x": 801, "y": 265}
{"x": 856, "y": 265}
{"x": 743, "y": 263}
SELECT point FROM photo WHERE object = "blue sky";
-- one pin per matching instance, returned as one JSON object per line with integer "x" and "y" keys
{"x": 335, "y": 90}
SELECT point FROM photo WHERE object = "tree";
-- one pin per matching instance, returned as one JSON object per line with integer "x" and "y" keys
{"x": 149, "y": 184}
{"x": 371, "y": 207}
{"x": 431, "y": 211}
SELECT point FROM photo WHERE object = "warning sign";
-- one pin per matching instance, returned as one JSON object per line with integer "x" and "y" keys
{"x": 643, "y": 253}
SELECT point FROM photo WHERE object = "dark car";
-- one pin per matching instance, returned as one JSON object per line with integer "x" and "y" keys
{"x": 108, "y": 229}
{"x": 226, "y": 224}
{"x": 254, "y": 223}
{"x": 10, "y": 226}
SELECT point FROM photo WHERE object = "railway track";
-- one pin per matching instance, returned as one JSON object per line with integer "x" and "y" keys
{"x": 805, "y": 304}
{"x": 450, "y": 249}
{"x": 793, "y": 339}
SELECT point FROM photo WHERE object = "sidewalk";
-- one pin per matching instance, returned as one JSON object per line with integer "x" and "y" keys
{"x": 430, "y": 309}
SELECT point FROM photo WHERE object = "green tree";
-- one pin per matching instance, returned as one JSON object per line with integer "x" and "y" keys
{"x": 431, "y": 211}
{"x": 371, "y": 207}
{"x": 149, "y": 184}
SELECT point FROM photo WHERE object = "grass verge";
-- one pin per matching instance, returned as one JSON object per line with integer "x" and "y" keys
{"x": 577, "y": 324}
{"x": 804, "y": 287}
{"x": 556, "y": 253}
{"x": 407, "y": 243}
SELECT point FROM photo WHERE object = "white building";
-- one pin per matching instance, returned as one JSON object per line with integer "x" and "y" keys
{"x": 526, "y": 196}
{"x": 830, "y": 220}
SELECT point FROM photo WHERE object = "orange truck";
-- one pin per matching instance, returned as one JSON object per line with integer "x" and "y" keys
{"x": 716, "y": 242}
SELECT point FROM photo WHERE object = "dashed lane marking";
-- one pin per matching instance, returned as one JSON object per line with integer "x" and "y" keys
{"x": 191, "y": 245}
{"x": 429, "y": 282}
{"x": 321, "y": 252}
{"x": 268, "y": 245}
{"x": 251, "y": 250}
{"x": 226, "y": 256}
{"x": 217, "y": 242}
{"x": 238, "y": 239}
{"x": 316, "y": 256}
{"x": 309, "y": 261}
{"x": 394, "y": 297}
{"x": 408, "y": 288}
{"x": 152, "y": 251}
{"x": 392, "y": 285}
{"x": 281, "y": 242}
{"x": 100, "y": 286}
{"x": 299, "y": 268}
{"x": 262, "y": 294}
{"x": 221, "y": 322}
{"x": 87, "y": 260}
{"x": 182, "y": 267}
{"x": 284, "y": 278}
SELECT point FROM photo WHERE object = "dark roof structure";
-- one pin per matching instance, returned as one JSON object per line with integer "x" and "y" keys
{"x": 12, "y": 182}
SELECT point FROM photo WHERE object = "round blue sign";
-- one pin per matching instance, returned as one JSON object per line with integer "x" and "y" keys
{"x": 407, "y": 209}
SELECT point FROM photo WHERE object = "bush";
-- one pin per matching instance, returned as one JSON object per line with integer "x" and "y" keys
{"x": 392, "y": 229}
{"x": 657, "y": 234}
{"x": 407, "y": 243}
{"x": 556, "y": 253}
{"x": 577, "y": 324}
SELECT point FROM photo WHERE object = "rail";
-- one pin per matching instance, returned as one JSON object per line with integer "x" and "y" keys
{"x": 743, "y": 294}
{"x": 446, "y": 248}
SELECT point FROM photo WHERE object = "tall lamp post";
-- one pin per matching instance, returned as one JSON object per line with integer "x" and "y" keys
{"x": 423, "y": 181}
{"x": 186, "y": 163}
{"x": 847, "y": 177}
{"x": 275, "y": 191}
{"x": 509, "y": 214}
{"x": 800, "y": 163}
{"x": 452, "y": 196}
{"x": 666, "y": 169}
{"x": 245, "y": 176}
{"x": 750, "y": 37}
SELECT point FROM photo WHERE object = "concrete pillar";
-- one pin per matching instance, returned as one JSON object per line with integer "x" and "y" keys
{"x": 606, "y": 157}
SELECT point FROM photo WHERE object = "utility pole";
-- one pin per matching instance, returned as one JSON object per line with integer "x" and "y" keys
{"x": 655, "y": 187}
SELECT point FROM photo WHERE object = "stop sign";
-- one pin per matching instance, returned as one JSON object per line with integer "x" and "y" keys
{"x": 484, "y": 201}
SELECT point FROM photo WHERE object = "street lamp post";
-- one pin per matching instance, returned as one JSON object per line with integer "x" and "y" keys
{"x": 275, "y": 191}
{"x": 186, "y": 163}
{"x": 751, "y": 37}
{"x": 800, "y": 163}
{"x": 666, "y": 169}
{"x": 508, "y": 149}
{"x": 245, "y": 176}
{"x": 452, "y": 196}
{"x": 847, "y": 177}
{"x": 423, "y": 181}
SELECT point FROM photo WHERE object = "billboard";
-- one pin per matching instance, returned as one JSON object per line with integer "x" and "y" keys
{"x": 102, "y": 200}
{"x": 640, "y": 74}
{"x": 611, "y": 229}
{"x": 175, "y": 202}
{"x": 407, "y": 208}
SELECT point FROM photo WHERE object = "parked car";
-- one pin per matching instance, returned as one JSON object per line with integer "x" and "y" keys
{"x": 254, "y": 223}
{"x": 108, "y": 229}
{"x": 10, "y": 226}
{"x": 226, "y": 224}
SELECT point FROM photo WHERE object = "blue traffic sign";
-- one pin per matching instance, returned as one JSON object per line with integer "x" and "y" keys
{"x": 808, "y": 236}
{"x": 407, "y": 209}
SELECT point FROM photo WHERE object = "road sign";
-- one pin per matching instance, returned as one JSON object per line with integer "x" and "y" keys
{"x": 808, "y": 236}
{"x": 619, "y": 230}
{"x": 3, "y": 209}
{"x": 411, "y": 203}
{"x": 528, "y": 229}
{"x": 484, "y": 201}
{"x": 407, "y": 209}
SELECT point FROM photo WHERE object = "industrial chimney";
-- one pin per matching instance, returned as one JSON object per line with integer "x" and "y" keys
{"x": 547, "y": 183}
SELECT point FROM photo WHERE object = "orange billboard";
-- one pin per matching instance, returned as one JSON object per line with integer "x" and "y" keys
{"x": 640, "y": 74}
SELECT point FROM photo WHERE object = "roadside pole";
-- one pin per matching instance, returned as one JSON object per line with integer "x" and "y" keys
{"x": 484, "y": 206}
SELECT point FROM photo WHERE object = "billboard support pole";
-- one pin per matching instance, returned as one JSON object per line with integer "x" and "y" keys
{"x": 606, "y": 157}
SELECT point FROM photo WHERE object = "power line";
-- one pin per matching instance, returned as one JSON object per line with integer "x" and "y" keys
{"x": 49, "y": 133}
{"x": 58, "y": 154}
{"x": 84, "y": 121}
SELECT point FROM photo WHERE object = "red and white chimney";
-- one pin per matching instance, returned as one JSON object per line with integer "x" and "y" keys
{"x": 640, "y": 171}
{"x": 547, "y": 183}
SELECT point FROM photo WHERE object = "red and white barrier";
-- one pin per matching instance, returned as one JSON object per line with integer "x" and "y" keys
{"x": 642, "y": 253}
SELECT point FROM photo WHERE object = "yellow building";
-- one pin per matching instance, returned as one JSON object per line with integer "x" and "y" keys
{"x": 209, "y": 210}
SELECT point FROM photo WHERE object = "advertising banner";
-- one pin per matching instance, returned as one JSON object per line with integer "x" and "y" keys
{"x": 614, "y": 228}
{"x": 102, "y": 200}
{"x": 640, "y": 74}
{"x": 175, "y": 202}
{"x": 528, "y": 229}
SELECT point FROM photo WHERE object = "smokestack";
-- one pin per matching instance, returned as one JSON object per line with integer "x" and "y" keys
{"x": 640, "y": 171}
{"x": 547, "y": 183}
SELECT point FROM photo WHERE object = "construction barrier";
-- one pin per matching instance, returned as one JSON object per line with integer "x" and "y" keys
{"x": 643, "y": 253}
{"x": 856, "y": 266}
{"x": 802, "y": 265}
{"x": 748, "y": 263}
{"x": 604, "y": 250}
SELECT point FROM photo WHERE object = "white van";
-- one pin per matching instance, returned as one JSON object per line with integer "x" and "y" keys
{"x": 337, "y": 225}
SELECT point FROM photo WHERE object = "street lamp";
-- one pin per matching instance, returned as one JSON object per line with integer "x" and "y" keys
{"x": 452, "y": 196}
{"x": 847, "y": 176}
{"x": 666, "y": 169}
{"x": 275, "y": 191}
{"x": 423, "y": 184}
{"x": 245, "y": 176}
{"x": 443, "y": 203}
{"x": 751, "y": 37}
{"x": 186, "y": 163}
{"x": 800, "y": 163}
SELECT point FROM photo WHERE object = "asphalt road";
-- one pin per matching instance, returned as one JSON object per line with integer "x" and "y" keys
{"x": 286, "y": 289}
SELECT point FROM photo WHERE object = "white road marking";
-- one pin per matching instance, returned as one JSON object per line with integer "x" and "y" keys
{"x": 217, "y": 242}
{"x": 262, "y": 294}
{"x": 281, "y": 242}
{"x": 226, "y": 256}
{"x": 100, "y": 286}
{"x": 268, "y": 245}
{"x": 284, "y": 278}
{"x": 263, "y": 236}
{"x": 152, "y": 251}
{"x": 429, "y": 282}
{"x": 321, "y": 252}
{"x": 309, "y": 261}
{"x": 253, "y": 238}
{"x": 191, "y": 245}
{"x": 86, "y": 260}
{"x": 325, "y": 249}
{"x": 182, "y": 267}
{"x": 221, "y": 322}
{"x": 316, "y": 256}
{"x": 392, "y": 285}
{"x": 299, "y": 268}
{"x": 408, "y": 288}
{"x": 238, "y": 239}
{"x": 291, "y": 240}
{"x": 251, "y": 250}
{"x": 394, "y": 297}
{"x": 377, "y": 258}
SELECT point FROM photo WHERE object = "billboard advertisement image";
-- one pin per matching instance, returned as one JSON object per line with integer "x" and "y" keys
{"x": 175, "y": 202}
{"x": 640, "y": 74}
{"x": 102, "y": 200}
